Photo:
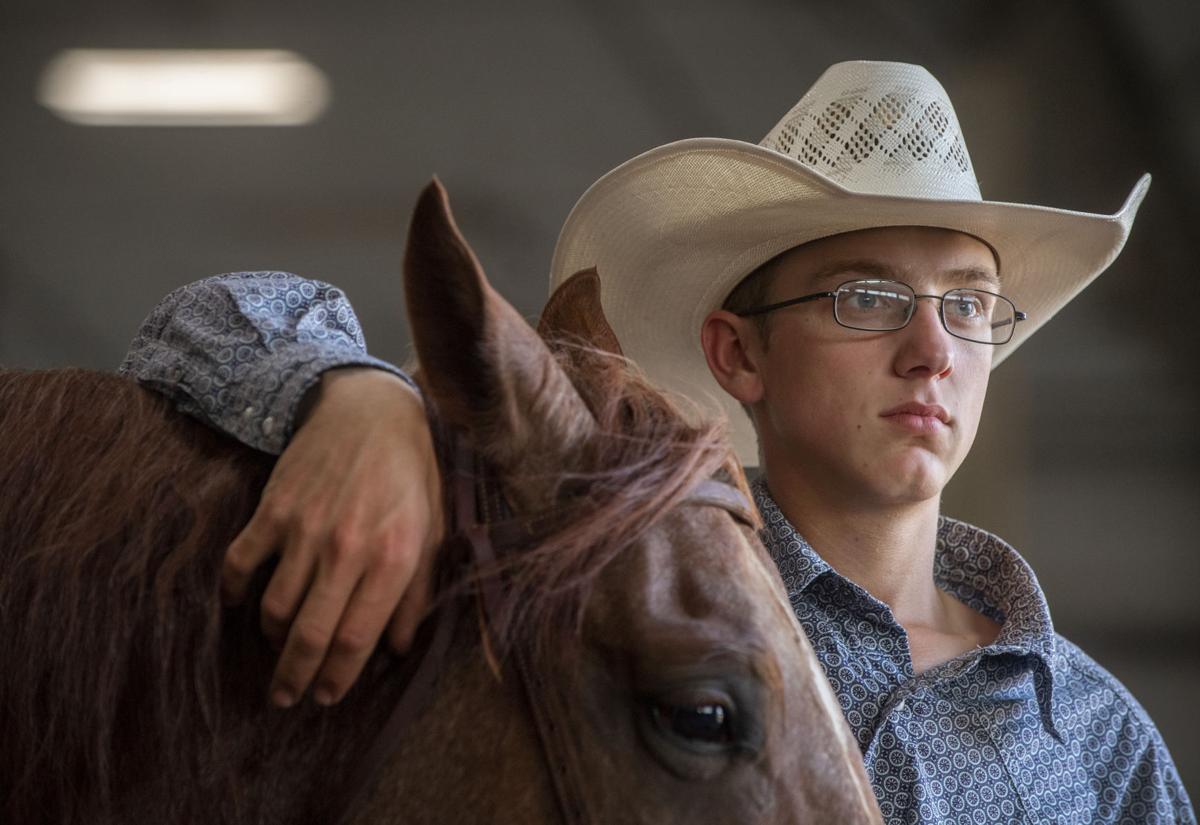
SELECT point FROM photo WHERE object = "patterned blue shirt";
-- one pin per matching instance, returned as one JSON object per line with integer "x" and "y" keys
{"x": 1028, "y": 729}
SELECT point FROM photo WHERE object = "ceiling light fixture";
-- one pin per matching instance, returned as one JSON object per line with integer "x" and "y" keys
{"x": 177, "y": 87}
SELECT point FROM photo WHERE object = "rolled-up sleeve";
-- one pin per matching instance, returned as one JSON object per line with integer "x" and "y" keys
{"x": 239, "y": 351}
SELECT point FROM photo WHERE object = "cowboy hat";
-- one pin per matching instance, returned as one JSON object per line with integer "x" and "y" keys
{"x": 871, "y": 144}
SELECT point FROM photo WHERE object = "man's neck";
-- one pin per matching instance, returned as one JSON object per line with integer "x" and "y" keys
{"x": 886, "y": 550}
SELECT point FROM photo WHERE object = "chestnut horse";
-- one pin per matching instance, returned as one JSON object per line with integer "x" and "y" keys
{"x": 664, "y": 678}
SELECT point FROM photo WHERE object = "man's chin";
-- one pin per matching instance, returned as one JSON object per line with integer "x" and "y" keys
{"x": 914, "y": 477}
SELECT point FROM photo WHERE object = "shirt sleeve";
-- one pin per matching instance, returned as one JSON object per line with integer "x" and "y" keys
{"x": 239, "y": 351}
{"x": 1155, "y": 792}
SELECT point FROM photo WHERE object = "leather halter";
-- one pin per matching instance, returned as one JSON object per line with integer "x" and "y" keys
{"x": 473, "y": 509}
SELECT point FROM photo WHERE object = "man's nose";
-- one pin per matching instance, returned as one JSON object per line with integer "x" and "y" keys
{"x": 926, "y": 348}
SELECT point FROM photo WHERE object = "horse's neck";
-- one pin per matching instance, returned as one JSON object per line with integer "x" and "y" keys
{"x": 472, "y": 756}
{"x": 326, "y": 767}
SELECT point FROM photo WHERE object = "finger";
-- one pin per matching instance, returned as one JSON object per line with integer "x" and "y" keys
{"x": 291, "y": 578}
{"x": 257, "y": 542}
{"x": 413, "y": 606}
{"x": 309, "y": 636}
{"x": 372, "y": 604}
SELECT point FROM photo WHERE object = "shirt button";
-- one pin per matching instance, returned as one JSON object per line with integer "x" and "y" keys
{"x": 268, "y": 425}
{"x": 249, "y": 411}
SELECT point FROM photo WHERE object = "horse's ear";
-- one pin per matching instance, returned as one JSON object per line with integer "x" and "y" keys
{"x": 486, "y": 369}
{"x": 574, "y": 326}
{"x": 575, "y": 311}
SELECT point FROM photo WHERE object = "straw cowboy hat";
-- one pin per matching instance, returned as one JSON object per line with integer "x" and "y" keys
{"x": 674, "y": 230}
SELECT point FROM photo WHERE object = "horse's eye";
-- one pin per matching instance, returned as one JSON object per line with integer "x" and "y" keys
{"x": 696, "y": 729}
{"x": 709, "y": 722}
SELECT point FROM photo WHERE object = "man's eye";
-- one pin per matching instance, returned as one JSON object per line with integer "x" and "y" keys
{"x": 965, "y": 307}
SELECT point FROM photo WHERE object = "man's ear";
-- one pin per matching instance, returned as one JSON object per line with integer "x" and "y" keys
{"x": 732, "y": 348}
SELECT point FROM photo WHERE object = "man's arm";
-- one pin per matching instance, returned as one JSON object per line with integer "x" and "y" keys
{"x": 240, "y": 351}
{"x": 352, "y": 507}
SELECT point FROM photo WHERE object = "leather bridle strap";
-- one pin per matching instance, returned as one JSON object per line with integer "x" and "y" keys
{"x": 509, "y": 534}
{"x": 713, "y": 492}
{"x": 468, "y": 525}
{"x": 412, "y": 702}
{"x": 419, "y": 691}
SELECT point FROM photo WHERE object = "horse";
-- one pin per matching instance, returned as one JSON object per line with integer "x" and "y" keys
{"x": 623, "y": 650}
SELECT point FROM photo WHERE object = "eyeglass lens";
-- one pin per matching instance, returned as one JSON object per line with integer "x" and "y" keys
{"x": 972, "y": 314}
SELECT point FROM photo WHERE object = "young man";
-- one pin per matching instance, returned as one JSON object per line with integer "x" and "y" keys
{"x": 844, "y": 283}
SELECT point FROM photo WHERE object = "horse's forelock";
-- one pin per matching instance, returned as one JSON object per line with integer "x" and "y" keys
{"x": 642, "y": 459}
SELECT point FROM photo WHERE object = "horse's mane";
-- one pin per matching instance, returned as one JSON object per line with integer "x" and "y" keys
{"x": 116, "y": 512}
{"x": 114, "y": 518}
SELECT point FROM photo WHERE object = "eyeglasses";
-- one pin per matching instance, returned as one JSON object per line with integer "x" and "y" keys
{"x": 876, "y": 305}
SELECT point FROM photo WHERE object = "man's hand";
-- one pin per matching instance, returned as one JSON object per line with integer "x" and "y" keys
{"x": 353, "y": 508}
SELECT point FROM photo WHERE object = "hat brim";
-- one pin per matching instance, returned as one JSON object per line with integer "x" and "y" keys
{"x": 672, "y": 231}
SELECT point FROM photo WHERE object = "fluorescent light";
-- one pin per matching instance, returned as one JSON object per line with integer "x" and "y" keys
{"x": 211, "y": 87}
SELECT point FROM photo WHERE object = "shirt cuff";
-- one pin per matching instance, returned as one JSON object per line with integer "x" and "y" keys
{"x": 267, "y": 419}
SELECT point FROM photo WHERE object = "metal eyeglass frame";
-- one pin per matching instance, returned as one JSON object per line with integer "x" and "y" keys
{"x": 1018, "y": 316}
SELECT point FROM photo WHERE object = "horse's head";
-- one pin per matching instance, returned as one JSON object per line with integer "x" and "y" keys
{"x": 671, "y": 679}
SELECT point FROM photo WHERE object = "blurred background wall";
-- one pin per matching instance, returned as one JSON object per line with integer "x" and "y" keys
{"x": 1087, "y": 457}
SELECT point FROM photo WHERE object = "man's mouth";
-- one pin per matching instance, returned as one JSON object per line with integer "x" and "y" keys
{"x": 922, "y": 419}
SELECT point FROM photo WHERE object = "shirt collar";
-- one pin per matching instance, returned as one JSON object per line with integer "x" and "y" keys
{"x": 977, "y": 567}
{"x": 798, "y": 563}
{"x": 988, "y": 574}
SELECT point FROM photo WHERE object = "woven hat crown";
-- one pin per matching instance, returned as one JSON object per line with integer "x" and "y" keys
{"x": 881, "y": 129}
